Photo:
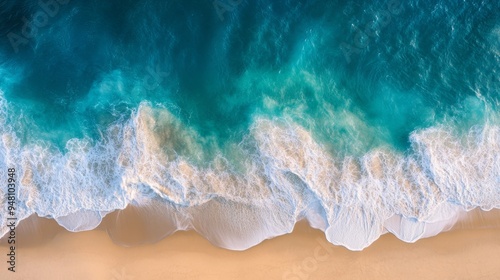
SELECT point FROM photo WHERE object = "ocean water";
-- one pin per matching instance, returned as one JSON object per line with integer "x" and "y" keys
{"x": 239, "y": 118}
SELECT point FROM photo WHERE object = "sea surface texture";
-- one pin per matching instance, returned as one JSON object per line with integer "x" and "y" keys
{"x": 239, "y": 118}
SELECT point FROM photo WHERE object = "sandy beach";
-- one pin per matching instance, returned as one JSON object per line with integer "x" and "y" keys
{"x": 304, "y": 254}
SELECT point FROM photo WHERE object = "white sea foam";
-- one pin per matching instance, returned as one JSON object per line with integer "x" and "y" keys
{"x": 287, "y": 176}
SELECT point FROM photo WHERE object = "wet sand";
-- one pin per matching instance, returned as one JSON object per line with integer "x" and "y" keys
{"x": 304, "y": 254}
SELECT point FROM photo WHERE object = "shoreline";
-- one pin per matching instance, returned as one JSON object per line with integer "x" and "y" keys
{"x": 469, "y": 249}
{"x": 135, "y": 226}
{"x": 303, "y": 254}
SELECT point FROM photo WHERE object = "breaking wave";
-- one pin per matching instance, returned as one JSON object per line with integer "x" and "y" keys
{"x": 258, "y": 188}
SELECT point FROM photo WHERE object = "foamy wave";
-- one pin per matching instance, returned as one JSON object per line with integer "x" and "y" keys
{"x": 284, "y": 175}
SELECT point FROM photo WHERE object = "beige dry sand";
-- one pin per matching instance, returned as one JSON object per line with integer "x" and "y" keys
{"x": 304, "y": 254}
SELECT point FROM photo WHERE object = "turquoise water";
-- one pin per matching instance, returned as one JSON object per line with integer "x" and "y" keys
{"x": 185, "y": 102}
